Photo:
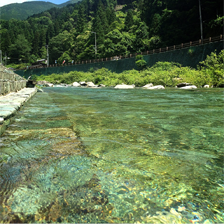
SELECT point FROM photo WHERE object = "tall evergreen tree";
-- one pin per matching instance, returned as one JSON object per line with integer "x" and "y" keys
{"x": 98, "y": 28}
{"x": 129, "y": 21}
{"x": 50, "y": 33}
{"x": 81, "y": 19}
{"x": 36, "y": 44}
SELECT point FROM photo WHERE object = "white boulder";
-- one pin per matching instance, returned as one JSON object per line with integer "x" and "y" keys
{"x": 148, "y": 85}
{"x": 124, "y": 86}
{"x": 75, "y": 84}
{"x": 156, "y": 87}
{"x": 206, "y": 86}
{"x": 101, "y": 85}
{"x": 50, "y": 85}
{"x": 91, "y": 84}
{"x": 1, "y": 120}
{"x": 188, "y": 87}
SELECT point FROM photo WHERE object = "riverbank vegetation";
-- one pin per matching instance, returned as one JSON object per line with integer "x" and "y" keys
{"x": 209, "y": 72}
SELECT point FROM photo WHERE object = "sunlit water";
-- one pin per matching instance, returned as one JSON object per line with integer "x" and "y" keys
{"x": 108, "y": 155}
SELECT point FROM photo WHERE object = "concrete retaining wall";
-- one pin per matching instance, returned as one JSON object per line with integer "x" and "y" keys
{"x": 10, "y": 81}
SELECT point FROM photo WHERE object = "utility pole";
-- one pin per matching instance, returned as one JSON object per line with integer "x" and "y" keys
{"x": 95, "y": 43}
{"x": 201, "y": 26}
{"x": 0, "y": 56}
{"x": 47, "y": 56}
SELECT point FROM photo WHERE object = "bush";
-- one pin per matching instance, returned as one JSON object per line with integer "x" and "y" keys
{"x": 213, "y": 65}
{"x": 162, "y": 73}
{"x": 140, "y": 62}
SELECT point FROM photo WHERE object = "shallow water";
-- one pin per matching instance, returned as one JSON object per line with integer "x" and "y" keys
{"x": 109, "y": 155}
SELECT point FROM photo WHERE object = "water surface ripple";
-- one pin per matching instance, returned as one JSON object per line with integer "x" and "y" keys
{"x": 109, "y": 155}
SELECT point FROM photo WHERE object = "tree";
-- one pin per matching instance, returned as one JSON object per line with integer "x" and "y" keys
{"x": 142, "y": 37}
{"x": 36, "y": 44}
{"x": 129, "y": 21}
{"x": 140, "y": 62}
{"x": 59, "y": 44}
{"x": 81, "y": 19}
{"x": 20, "y": 49}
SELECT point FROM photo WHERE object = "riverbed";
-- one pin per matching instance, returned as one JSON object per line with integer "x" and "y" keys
{"x": 108, "y": 155}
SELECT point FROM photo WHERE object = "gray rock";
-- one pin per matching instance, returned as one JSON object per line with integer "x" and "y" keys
{"x": 83, "y": 83}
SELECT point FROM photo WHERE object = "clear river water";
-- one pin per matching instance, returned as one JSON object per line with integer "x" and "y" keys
{"x": 115, "y": 156}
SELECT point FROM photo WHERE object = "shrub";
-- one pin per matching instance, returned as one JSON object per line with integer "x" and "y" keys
{"x": 140, "y": 62}
{"x": 213, "y": 65}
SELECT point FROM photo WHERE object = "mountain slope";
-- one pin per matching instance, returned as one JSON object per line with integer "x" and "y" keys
{"x": 23, "y": 10}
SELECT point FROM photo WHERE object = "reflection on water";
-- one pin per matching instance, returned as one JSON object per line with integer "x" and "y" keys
{"x": 108, "y": 155}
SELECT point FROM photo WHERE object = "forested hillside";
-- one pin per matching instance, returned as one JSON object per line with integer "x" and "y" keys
{"x": 23, "y": 10}
{"x": 121, "y": 26}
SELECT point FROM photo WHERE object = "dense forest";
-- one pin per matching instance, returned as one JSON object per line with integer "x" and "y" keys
{"x": 122, "y": 27}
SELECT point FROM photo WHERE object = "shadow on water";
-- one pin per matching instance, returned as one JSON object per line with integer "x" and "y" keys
{"x": 105, "y": 155}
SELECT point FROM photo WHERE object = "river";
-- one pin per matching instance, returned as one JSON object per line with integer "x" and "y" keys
{"x": 108, "y": 155}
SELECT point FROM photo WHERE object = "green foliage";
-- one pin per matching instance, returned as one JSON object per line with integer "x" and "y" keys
{"x": 140, "y": 62}
{"x": 22, "y": 11}
{"x": 191, "y": 51}
{"x": 18, "y": 66}
{"x": 20, "y": 50}
{"x": 129, "y": 21}
{"x": 168, "y": 74}
{"x": 122, "y": 27}
{"x": 214, "y": 66}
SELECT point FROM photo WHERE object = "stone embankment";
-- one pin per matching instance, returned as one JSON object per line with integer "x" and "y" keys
{"x": 10, "y": 81}
{"x": 13, "y": 94}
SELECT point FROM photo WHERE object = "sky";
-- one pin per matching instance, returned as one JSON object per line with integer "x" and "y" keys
{"x": 6, "y": 2}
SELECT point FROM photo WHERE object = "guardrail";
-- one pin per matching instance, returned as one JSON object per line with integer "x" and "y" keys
{"x": 154, "y": 51}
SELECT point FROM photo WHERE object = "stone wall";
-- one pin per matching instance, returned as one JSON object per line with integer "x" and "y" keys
{"x": 10, "y": 81}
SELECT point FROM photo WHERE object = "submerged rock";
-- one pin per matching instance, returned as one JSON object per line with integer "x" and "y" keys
{"x": 124, "y": 86}
{"x": 40, "y": 90}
